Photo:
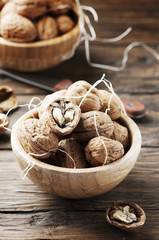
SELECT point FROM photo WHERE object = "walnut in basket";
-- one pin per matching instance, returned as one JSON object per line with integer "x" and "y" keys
{"x": 121, "y": 134}
{"x": 64, "y": 24}
{"x": 47, "y": 28}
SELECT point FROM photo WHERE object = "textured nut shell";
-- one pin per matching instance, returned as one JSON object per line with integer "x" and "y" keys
{"x": 86, "y": 128}
{"x": 2, "y": 117}
{"x": 96, "y": 153}
{"x": 121, "y": 134}
{"x": 132, "y": 227}
{"x": 31, "y": 8}
{"x": 47, "y": 28}
{"x": 49, "y": 99}
{"x": 9, "y": 99}
{"x": 17, "y": 28}
{"x": 8, "y": 8}
{"x": 115, "y": 105}
{"x": 37, "y": 138}
{"x": 64, "y": 23}
{"x": 47, "y": 117}
{"x": 93, "y": 101}
{"x": 54, "y": 4}
{"x": 74, "y": 149}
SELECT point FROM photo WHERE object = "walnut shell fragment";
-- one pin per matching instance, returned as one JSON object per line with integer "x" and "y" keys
{"x": 2, "y": 123}
{"x": 74, "y": 149}
{"x": 115, "y": 105}
{"x": 30, "y": 8}
{"x": 121, "y": 134}
{"x": 8, "y": 99}
{"x": 102, "y": 150}
{"x": 92, "y": 102}
{"x": 47, "y": 28}
{"x": 86, "y": 129}
{"x": 37, "y": 138}
{"x": 127, "y": 216}
{"x": 17, "y": 28}
{"x": 64, "y": 24}
{"x": 62, "y": 116}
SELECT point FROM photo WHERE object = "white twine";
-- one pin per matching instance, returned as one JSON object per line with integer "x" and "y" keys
{"x": 106, "y": 151}
{"x": 89, "y": 37}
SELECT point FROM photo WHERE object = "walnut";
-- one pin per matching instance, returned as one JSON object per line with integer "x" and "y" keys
{"x": 96, "y": 152}
{"x": 115, "y": 105}
{"x": 31, "y": 8}
{"x": 8, "y": 99}
{"x": 93, "y": 101}
{"x": 64, "y": 24}
{"x": 37, "y": 138}
{"x": 120, "y": 133}
{"x": 59, "y": 7}
{"x": 2, "y": 123}
{"x": 76, "y": 157}
{"x": 8, "y": 8}
{"x": 17, "y": 28}
{"x": 86, "y": 129}
{"x": 127, "y": 216}
{"x": 47, "y": 28}
{"x": 62, "y": 116}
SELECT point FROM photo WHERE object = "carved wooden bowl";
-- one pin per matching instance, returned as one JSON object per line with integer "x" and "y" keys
{"x": 40, "y": 55}
{"x": 78, "y": 183}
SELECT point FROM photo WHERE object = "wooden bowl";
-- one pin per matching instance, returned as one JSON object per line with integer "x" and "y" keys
{"x": 40, "y": 55}
{"x": 78, "y": 183}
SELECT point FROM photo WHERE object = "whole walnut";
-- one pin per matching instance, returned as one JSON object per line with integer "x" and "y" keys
{"x": 101, "y": 151}
{"x": 92, "y": 102}
{"x": 70, "y": 154}
{"x": 37, "y": 138}
{"x": 115, "y": 105}
{"x": 47, "y": 28}
{"x": 121, "y": 134}
{"x": 31, "y": 8}
{"x": 17, "y": 28}
{"x": 59, "y": 7}
{"x": 86, "y": 129}
{"x": 64, "y": 24}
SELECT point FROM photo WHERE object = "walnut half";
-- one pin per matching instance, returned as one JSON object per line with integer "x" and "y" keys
{"x": 126, "y": 216}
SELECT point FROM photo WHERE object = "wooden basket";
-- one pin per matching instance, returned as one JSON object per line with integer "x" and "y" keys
{"x": 40, "y": 55}
{"x": 78, "y": 183}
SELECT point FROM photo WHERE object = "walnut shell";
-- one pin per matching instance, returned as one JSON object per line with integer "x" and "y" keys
{"x": 121, "y": 134}
{"x": 8, "y": 98}
{"x": 8, "y": 8}
{"x": 54, "y": 6}
{"x": 96, "y": 153}
{"x": 93, "y": 101}
{"x": 62, "y": 116}
{"x": 31, "y": 8}
{"x": 64, "y": 24}
{"x": 115, "y": 105}
{"x": 74, "y": 149}
{"x": 86, "y": 129}
{"x": 130, "y": 227}
{"x": 49, "y": 99}
{"x": 17, "y": 28}
{"x": 47, "y": 28}
{"x": 37, "y": 138}
{"x": 2, "y": 123}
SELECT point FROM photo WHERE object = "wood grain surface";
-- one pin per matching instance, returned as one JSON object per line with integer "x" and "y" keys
{"x": 27, "y": 212}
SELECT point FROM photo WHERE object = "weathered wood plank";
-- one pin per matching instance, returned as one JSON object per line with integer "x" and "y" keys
{"x": 17, "y": 195}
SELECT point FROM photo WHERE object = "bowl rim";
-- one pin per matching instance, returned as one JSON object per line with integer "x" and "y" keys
{"x": 42, "y": 43}
{"x": 16, "y": 147}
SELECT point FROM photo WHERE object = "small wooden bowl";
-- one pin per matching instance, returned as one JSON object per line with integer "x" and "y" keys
{"x": 40, "y": 55}
{"x": 78, "y": 183}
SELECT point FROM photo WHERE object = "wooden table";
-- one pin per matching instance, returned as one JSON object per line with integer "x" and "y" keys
{"x": 27, "y": 212}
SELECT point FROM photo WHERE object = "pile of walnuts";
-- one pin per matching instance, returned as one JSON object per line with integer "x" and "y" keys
{"x": 74, "y": 131}
{"x": 30, "y": 20}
